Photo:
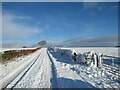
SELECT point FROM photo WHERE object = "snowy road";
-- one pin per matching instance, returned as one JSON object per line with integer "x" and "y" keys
{"x": 37, "y": 76}
{"x": 50, "y": 70}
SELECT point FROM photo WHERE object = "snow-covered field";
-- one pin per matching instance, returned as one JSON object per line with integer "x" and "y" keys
{"x": 45, "y": 69}
{"x": 110, "y": 51}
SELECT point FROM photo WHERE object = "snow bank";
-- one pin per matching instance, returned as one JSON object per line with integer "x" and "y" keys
{"x": 76, "y": 75}
{"x": 9, "y": 78}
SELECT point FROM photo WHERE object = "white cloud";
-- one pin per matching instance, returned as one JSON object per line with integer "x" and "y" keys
{"x": 38, "y": 23}
{"x": 23, "y": 17}
{"x": 11, "y": 29}
{"x": 92, "y": 5}
{"x": 88, "y": 5}
{"x": 97, "y": 6}
{"x": 12, "y": 44}
{"x": 100, "y": 8}
{"x": 111, "y": 40}
{"x": 46, "y": 38}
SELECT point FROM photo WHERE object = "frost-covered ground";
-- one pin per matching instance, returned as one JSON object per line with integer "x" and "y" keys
{"x": 44, "y": 69}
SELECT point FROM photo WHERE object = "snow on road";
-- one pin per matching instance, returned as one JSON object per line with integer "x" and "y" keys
{"x": 9, "y": 68}
{"x": 13, "y": 69}
{"x": 38, "y": 76}
{"x": 51, "y": 70}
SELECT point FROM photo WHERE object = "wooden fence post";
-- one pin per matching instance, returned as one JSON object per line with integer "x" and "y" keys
{"x": 100, "y": 59}
{"x": 95, "y": 60}
{"x": 112, "y": 61}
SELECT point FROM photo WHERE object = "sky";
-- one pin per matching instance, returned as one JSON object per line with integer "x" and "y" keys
{"x": 79, "y": 23}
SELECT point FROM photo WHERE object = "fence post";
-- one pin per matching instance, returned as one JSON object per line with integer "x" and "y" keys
{"x": 112, "y": 61}
{"x": 100, "y": 59}
{"x": 95, "y": 60}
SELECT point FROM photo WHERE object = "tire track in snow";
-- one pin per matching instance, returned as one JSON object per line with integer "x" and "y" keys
{"x": 74, "y": 77}
{"x": 40, "y": 74}
{"x": 42, "y": 79}
{"x": 54, "y": 81}
{"x": 71, "y": 77}
{"x": 23, "y": 74}
{"x": 10, "y": 78}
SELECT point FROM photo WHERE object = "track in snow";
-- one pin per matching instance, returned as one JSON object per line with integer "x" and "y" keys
{"x": 66, "y": 77}
{"x": 75, "y": 75}
{"x": 54, "y": 81}
{"x": 36, "y": 76}
{"x": 51, "y": 71}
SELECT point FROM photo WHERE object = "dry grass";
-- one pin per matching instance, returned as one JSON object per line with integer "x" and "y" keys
{"x": 10, "y": 55}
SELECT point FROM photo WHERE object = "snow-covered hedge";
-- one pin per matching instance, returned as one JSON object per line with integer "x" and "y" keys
{"x": 89, "y": 58}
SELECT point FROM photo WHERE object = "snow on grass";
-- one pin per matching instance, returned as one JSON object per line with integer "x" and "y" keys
{"x": 13, "y": 69}
{"x": 75, "y": 75}
{"x": 110, "y": 51}
{"x": 68, "y": 78}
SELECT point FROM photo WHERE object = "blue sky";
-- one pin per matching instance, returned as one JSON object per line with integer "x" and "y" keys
{"x": 35, "y": 21}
